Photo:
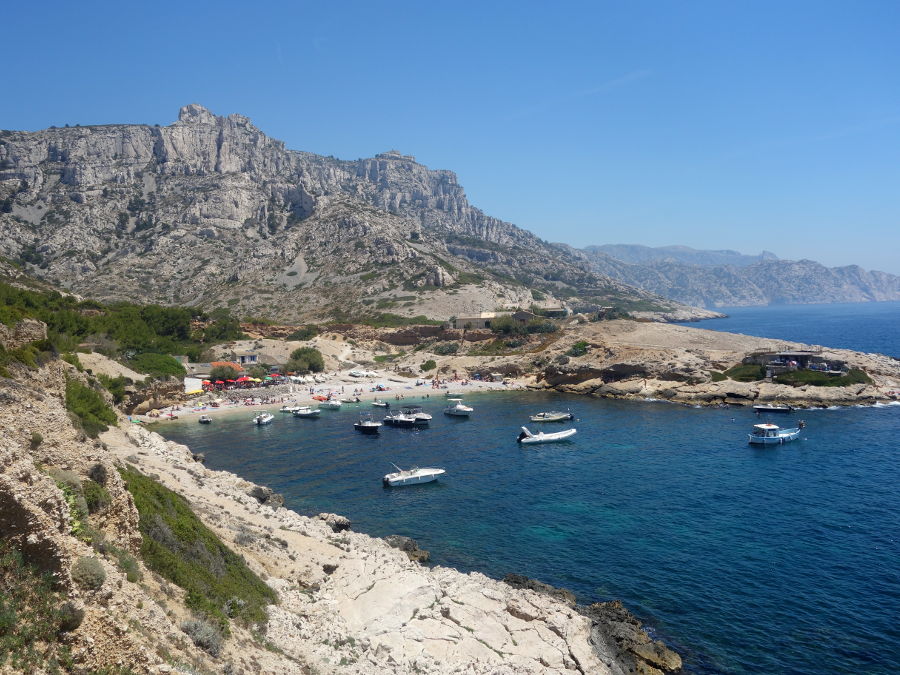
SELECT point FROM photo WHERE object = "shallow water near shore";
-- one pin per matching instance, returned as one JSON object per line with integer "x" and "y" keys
{"x": 746, "y": 560}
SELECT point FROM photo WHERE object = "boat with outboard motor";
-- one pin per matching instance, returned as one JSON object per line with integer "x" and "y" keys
{"x": 289, "y": 408}
{"x": 330, "y": 404}
{"x": 366, "y": 424}
{"x": 526, "y": 437}
{"x": 420, "y": 417}
{"x": 457, "y": 409}
{"x": 411, "y": 476}
{"x": 772, "y": 434}
{"x": 263, "y": 418}
{"x": 306, "y": 411}
{"x": 399, "y": 419}
{"x": 552, "y": 416}
{"x": 774, "y": 408}
{"x": 205, "y": 419}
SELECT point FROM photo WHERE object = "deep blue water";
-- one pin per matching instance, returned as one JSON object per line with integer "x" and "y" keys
{"x": 783, "y": 560}
{"x": 863, "y": 326}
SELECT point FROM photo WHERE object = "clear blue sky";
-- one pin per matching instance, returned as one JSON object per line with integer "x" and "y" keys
{"x": 720, "y": 124}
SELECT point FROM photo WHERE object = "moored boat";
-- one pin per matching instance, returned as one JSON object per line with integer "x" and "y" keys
{"x": 399, "y": 419}
{"x": 774, "y": 408}
{"x": 772, "y": 434}
{"x": 526, "y": 437}
{"x": 552, "y": 416}
{"x": 289, "y": 408}
{"x": 205, "y": 419}
{"x": 411, "y": 476}
{"x": 367, "y": 425}
{"x": 420, "y": 417}
{"x": 378, "y": 403}
{"x": 457, "y": 409}
{"x": 263, "y": 418}
{"x": 306, "y": 411}
{"x": 330, "y": 404}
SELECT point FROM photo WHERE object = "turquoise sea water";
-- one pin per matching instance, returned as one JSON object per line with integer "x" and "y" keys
{"x": 746, "y": 560}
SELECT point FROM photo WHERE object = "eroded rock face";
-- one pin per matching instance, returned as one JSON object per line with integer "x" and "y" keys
{"x": 23, "y": 332}
{"x": 209, "y": 207}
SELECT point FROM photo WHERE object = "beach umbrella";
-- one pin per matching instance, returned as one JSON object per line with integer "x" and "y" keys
{"x": 232, "y": 381}
{"x": 243, "y": 379}
{"x": 206, "y": 382}
{"x": 219, "y": 382}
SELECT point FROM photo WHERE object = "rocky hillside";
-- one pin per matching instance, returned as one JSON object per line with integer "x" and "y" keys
{"x": 765, "y": 281}
{"x": 210, "y": 211}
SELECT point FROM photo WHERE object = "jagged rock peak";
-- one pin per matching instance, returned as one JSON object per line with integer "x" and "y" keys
{"x": 395, "y": 154}
{"x": 194, "y": 113}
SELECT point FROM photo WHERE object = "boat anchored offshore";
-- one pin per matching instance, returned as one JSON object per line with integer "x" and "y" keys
{"x": 774, "y": 408}
{"x": 205, "y": 419}
{"x": 306, "y": 411}
{"x": 366, "y": 425}
{"x": 289, "y": 408}
{"x": 411, "y": 476}
{"x": 526, "y": 437}
{"x": 457, "y": 409}
{"x": 330, "y": 404}
{"x": 399, "y": 419}
{"x": 772, "y": 434}
{"x": 263, "y": 418}
{"x": 420, "y": 417}
{"x": 552, "y": 416}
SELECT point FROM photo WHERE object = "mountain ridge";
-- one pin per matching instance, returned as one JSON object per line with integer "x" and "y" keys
{"x": 209, "y": 210}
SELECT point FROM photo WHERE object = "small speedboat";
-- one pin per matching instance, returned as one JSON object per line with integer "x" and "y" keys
{"x": 330, "y": 404}
{"x": 306, "y": 411}
{"x": 411, "y": 476}
{"x": 367, "y": 425}
{"x": 263, "y": 418}
{"x": 399, "y": 419}
{"x": 552, "y": 416}
{"x": 420, "y": 417}
{"x": 772, "y": 434}
{"x": 526, "y": 437}
{"x": 457, "y": 409}
{"x": 205, "y": 419}
{"x": 773, "y": 408}
{"x": 289, "y": 408}
{"x": 355, "y": 399}
{"x": 378, "y": 403}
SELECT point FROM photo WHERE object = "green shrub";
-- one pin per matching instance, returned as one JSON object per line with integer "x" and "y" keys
{"x": 305, "y": 333}
{"x": 716, "y": 376}
{"x": 157, "y": 365}
{"x": 798, "y": 378}
{"x": 115, "y": 386}
{"x": 98, "y": 473}
{"x": 506, "y": 325}
{"x": 36, "y": 440}
{"x": 88, "y": 573}
{"x": 746, "y": 373}
{"x": 222, "y": 373}
{"x": 127, "y": 564}
{"x": 541, "y": 326}
{"x": 306, "y": 360}
{"x": 177, "y": 546}
{"x": 428, "y": 365}
{"x": 580, "y": 348}
{"x": 72, "y": 358}
{"x": 204, "y": 635}
{"x": 89, "y": 407}
{"x": 32, "y": 615}
{"x": 96, "y": 496}
{"x": 446, "y": 348}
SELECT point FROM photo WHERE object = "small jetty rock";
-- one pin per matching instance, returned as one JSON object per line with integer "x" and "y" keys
{"x": 520, "y": 581}
{"x": 265, "y": 495}
{"x": 617, "y": 636}
{"x": 335, "y": 522}
{"x": 409, "y": 546}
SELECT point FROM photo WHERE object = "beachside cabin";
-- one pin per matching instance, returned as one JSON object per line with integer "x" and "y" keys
{"x": 474, "y": 321}
{"x": 245, "y": 358}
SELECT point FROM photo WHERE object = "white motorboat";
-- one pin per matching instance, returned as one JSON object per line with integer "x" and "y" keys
{"x": 420, "y": 417}
{"x": 526, "y": 437}
{"x": 399, "y": 419}
{"x": 306, "y": 411}
{"x": 355, "y": 399}
{"x": 411, "y": 476}
{"x": 552, "y": 416}
{"x": 263, "y": 418}
{"x": 772, "y": 434}
{"x": 205, "y": 419}
{"x": 330, "y": 404}
{"x": 289, "y": 408}
{"x": 380, "y": 404}
{"x": 457, "y": 409}
{"x": 367, "y": 425}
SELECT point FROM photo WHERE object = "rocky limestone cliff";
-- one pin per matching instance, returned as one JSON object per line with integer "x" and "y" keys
{"x": 763, "y": 282}
{"x": 209, "y": 210}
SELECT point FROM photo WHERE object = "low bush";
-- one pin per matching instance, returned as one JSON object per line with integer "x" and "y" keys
{"x": 305, "y": 333}
{"x": 716, "y": 376}
{"x": 204, "y": 635}
{"x": 89, "y": 407}
{"x": 32, "y": 616}
{"x": 88, "y": 573}
{"x": 580, "y": 348}
{"x": 746, "y": 373}
{"x": 115, "y": 386}
{"x": 36, "y": 440}
{"x": 157, "y": 365}
{"x": 178, "y": 547}
{"x": 815, "y": 378}
{"x": 428, "y": 365}
{"x": 306, "y": 360}
{"x": 96, "y": 496}
{"x": 446, "y": 348}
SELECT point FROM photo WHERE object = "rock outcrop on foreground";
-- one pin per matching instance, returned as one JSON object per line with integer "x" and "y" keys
{"x": 347, "y": 602}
